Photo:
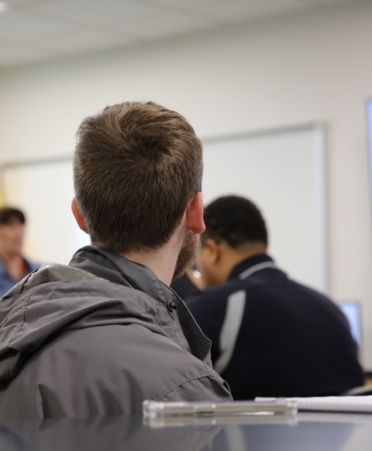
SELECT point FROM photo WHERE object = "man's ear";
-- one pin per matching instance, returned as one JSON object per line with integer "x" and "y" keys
{"x": 194, "y": 214}
{"x": 78, "y": 216}
{"x": 211, "y": 250}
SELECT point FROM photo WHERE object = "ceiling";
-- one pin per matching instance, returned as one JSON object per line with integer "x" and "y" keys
{"x": 32, "y": 30}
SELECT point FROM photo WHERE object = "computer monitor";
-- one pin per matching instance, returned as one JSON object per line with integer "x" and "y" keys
{"x": 369, "y": 131}
{"x": 351, "y": 310}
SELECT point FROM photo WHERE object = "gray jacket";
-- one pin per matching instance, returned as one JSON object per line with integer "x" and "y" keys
{"x": 98, "y": 337}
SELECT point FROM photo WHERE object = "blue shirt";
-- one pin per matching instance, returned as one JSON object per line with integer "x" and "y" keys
{"x": 7, "y": 281}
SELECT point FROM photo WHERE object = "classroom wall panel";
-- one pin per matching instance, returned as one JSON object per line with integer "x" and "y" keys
{"x": 290, "y": 159}
{"x": 44, "y": 192}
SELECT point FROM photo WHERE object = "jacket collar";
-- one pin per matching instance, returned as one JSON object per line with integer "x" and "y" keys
{"x": 249, "y": 263}
{"x": 117, "y": 269}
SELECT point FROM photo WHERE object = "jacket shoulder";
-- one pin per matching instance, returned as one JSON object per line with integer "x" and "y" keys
{"x": 110, "y": 370}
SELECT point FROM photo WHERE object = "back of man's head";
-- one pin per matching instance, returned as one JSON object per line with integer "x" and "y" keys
{"x": 136, "y": 166}
{"x": 236, "y": 221}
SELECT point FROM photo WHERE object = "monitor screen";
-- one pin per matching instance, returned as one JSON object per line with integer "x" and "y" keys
{"x": 352, "y": 312}
{"x": 369, "y": 129}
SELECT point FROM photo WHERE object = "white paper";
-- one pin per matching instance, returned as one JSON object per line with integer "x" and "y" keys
{"x": 335, "y": 403}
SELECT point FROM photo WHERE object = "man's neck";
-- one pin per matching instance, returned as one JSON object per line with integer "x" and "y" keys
{"x": 9, "y": 256}
{"x": 249, "y": 251}
{"x": 14, "y": 264}
{"x": 161, "y": 261}
{"x": 232, "y": 257}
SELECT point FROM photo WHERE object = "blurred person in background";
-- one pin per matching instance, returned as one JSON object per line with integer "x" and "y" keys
{"x": 13, "y": 265}
{"x": 271, "y": 336}
{"x": 188, "y": 284}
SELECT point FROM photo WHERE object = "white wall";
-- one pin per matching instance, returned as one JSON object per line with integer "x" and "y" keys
{"x": 306, "y": 67}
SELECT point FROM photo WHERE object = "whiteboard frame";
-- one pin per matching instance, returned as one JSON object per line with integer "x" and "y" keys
{"x": 320, "y": 184}
{"x": 321, "y": 195}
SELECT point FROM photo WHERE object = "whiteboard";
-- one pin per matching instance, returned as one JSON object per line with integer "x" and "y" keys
{"x": 281, "y": 170}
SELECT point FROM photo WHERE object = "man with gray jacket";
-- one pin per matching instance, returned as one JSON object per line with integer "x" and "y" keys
{"x": 102, "y": 334}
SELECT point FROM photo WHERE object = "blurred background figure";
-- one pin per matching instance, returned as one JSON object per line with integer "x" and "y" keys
{"x": 271, "y": 336}
{"x": 13, "y": 265}
{"x": 189, "y": 284}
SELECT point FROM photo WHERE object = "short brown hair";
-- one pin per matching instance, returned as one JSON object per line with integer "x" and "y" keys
{"x": 136, "y": 166}
{"x": 7, "y": 214}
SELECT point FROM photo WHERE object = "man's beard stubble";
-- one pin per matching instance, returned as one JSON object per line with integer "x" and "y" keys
{"x": 187, "y": 254}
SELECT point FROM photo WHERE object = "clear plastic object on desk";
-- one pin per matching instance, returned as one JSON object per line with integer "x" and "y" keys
{"x": 155, "y": 409}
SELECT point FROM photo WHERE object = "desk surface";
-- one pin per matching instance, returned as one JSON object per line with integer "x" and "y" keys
{"x": 308, "y": 432}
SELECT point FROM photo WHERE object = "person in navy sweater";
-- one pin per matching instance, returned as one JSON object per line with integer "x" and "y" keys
{"x": 271, "y": 336}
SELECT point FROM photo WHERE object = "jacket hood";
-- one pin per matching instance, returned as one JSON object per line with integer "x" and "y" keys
{"x": 56, "y": 298}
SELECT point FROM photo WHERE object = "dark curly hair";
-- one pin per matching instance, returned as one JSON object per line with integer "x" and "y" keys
{"x": 235, "y": 220}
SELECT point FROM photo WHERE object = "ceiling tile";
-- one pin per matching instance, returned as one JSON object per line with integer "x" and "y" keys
{"x": 55, "y": 27}
{"x": 21, "y": 2}
{"x": 186, "y": 3}
{"x": 12, "y": 53}
{"x": 274, "y": 4}
{"x": 164, "y": 24}
{"x": 95, "y": 12}
{"x": 19, "y": 25}
{"x": 312, "y": 3}
{"x": 84, "y": 40}
{"x": 240, "y": 11}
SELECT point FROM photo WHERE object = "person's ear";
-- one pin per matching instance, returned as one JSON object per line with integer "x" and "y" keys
{"x": 194, "y": 214}
{"x": 212, "y": 251}
{"x": 78, "y": 216}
